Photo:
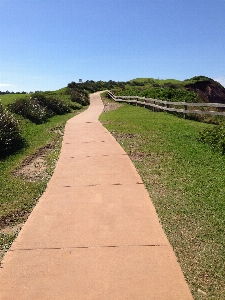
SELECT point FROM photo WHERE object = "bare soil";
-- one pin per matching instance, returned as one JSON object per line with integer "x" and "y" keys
{"x": 34, "y": 167}
{"x": 12, "y": 229}
{"x": 111, "y": 106}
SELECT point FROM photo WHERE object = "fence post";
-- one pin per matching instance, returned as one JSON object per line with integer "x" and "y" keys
{"x": 185, "y": 108}
{"x": 153, "y": 108}
{"x": 144, "y": 102}
{"x": 167, "y": 105}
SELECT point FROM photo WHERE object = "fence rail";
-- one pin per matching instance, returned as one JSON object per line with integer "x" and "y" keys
{"x": 170, "y": 106}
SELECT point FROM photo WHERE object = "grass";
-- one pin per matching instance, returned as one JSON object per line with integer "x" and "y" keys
{"x": 186, "y": 181}
{"x": 19, "y": 196}
{"x": 147, "y": 83}
{"x": 9, "y": 98}
{"x": 159, "y": 81}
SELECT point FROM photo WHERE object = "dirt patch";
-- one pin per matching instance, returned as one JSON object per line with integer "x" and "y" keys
{"x": 13, "y": 219}
{"x": 149, "y": 164}
{"x": 34, "y": 167}
{"x": 139, "y": 156}
{"x": 34, "y": 170}
{"x": 111, "y": 106}
{"x": 131, "y": 140}
{"x": 11, "y": 229}
{"x": 120, "y": 136}
{"x": 7, "y": 235}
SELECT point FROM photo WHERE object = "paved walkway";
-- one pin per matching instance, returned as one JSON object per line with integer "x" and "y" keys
{"x": 94, "y": 233}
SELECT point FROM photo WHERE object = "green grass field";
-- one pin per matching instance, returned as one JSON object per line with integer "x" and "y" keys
{"x": 9, "y": 98}
{"x": 149, "y": 81}
{"x": 186, "y": 182}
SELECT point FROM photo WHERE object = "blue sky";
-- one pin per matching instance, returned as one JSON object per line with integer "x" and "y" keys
{"x": 45, "y": 44}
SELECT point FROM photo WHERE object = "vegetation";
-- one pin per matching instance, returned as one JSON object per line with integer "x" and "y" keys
{"x": 169, "y": 94}
{"x": 30, "y": 109}
{"x": 186, "y": 181}
{"x": 172, "y": 83}
{"x": 12, "y": 93}
{"x": 190, "y": 90}
{"x": 197, "y": 79}
{"x": 193, "y": 90}
{"x": 80, "y": 97}
{"x": 170, "y": 90}
{"x": 54, "y": 105}
{"x": 6, "y": 99}
{"x": 215, "y": 137}
{"x": 92, "y": 86}
{"x": 11, "y": 138}
{"x": 39, "y": 107}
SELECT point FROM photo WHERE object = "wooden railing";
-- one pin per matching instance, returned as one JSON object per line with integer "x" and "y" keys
{"x": 179, "y": 107}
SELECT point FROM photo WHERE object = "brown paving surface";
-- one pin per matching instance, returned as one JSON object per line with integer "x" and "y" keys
{"x": 94, "y": 233}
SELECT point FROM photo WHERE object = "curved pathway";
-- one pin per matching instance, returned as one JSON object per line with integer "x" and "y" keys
{"x": 94, "y": 233}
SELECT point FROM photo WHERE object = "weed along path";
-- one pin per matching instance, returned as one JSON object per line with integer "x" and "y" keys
{"x": 94, "y": 233}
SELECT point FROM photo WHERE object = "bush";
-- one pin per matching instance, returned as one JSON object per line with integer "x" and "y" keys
{"x": 40, "y": 97}
{"x": 75, "y": 105}
{"x": 168, "y": 94}
{"x": 30, "y": 109}
{"x": 11, "y": 139}
{"x": 57, "y": 106}
{"x": 53, "y": 104}
{"x": 80, "y": 97}
{"x": 215, "y": 137}
{"x": 93, "y": 86}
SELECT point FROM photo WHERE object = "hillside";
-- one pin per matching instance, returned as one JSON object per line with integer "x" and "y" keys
{"x": 207, "y": 89}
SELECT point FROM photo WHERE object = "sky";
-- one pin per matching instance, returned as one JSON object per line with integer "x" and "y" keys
{"x": 46, "y": 44}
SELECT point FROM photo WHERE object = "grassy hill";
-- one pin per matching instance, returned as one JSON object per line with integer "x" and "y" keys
{"x": 195, "y": 89}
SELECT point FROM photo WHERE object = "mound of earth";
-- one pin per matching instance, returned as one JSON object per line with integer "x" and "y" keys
{"x": 208, "y": 89}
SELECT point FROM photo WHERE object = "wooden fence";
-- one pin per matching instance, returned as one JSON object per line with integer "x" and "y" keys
{"x": 179, "y": 107}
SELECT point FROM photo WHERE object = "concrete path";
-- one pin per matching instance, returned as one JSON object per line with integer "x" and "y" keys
{"x": 94, "y": 233}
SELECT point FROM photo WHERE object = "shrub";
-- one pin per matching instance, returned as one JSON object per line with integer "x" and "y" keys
{"x": 93, "y": 86}
{"x": 170, "y": 94}
{"x": 11, "y": 139}
{"x": 53, "y": 104}
{"x": 75, "y": 105}
{"x": 80, "y": 96}
{"x": 57, "y": 106}
{"x": 215, "y": 137}
{"x": 40, "y": 97}
{"x": 30, "y": 109}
